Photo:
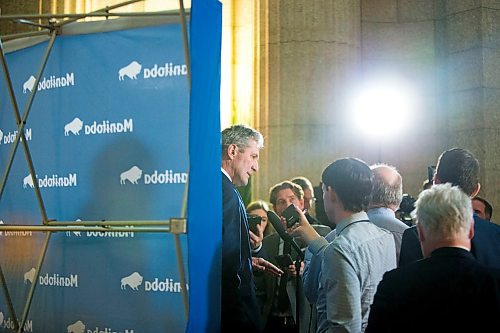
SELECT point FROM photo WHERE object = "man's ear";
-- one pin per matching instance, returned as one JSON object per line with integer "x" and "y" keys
{"x": 332, "y": 194}
{"x": 421, "y": 236}
{"x": 301, "y": 204}
{"x": 476, "y": 191}
{"x": 471, "y": 231}
{"x": 232, "y": 150}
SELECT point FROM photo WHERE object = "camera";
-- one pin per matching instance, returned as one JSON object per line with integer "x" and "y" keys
{"x": 291, "y": 216}
{"x": 406, "y": 206}
{"x": 253, "y": 220}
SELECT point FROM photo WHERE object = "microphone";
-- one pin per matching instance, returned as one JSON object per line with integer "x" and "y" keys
{"x": 278, "y": 226}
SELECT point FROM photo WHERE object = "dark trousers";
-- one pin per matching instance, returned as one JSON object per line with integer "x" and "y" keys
{"x": 281, "y": 324}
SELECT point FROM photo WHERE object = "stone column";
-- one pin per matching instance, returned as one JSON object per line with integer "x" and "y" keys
{"x": 308, "y": 50}
{"x": 399, "y": 38}
{"x": 471, "y": 85}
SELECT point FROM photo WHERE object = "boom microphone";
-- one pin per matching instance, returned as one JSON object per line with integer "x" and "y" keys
{"x": 278, "y": 226}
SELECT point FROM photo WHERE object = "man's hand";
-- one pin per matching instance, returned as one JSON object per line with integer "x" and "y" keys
{"x": 260, "y": 264}
{"x": 303, "y": 229}
{"x": 292, "y": 271}
{"x": 256, "y": 239}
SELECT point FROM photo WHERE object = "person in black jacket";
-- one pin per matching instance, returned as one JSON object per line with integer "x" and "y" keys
{"x": 449, "y": 290}
{"x": 459, "y": 167}
{"x": 239, "y": 308}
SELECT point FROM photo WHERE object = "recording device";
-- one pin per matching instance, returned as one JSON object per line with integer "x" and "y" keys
{"x": 278, "y": 226}
{"x": 253, "y": 220}
{"x": 284, "y": 260}
{"x": 291, "y": 216}
{"x": 276, "y": 223}
{"x": 406, "y": 206}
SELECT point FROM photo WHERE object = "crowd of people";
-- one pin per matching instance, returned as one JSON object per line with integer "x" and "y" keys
{"x": 362, "y": 268}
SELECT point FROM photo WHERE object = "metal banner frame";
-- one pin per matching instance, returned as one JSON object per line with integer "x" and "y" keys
{"x": 174, "y": 225}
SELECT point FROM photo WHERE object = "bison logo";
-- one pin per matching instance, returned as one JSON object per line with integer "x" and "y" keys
{"x": 29, "y": 275}
{"x": 1, "y": 318}
{"x": 77, "y": 233}
{"x": 77, "y": 327}
{"x": 131, "y": 71}
{"x": 134, "y": 280}
{"x": 132, "y": 175}
{"x": 74, "y": 127}
{"x": 28, "y": 85}
{"x": 28, "y": 181}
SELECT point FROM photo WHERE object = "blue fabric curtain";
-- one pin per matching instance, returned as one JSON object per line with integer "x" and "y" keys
{"x": 204, "y": 202}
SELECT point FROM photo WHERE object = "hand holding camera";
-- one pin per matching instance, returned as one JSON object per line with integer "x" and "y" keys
{"x": 291, "y": 215}
{"x": 253, "y": 221}
{"x": 256, "y": 231}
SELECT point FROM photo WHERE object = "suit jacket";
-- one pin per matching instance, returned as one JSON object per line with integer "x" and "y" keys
{"x": 448, "y": 292}
{"x": 267, "y": 285}
{"x": 239, "y": 308}
{"x": 485, "y": 244}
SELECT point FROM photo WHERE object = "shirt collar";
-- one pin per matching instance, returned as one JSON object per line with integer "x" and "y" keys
{"x": 382, "y": 211}
{"x": 350, "y": 219}
{"x": 227, "y": 175}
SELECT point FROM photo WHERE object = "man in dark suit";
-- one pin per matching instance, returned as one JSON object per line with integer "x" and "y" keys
{"x": 459, "y": 167}
{"x": 449, "y": 290}
{"x": 240, "y": 156}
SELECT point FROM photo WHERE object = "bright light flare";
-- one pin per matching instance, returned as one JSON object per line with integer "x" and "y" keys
{"x": 384, "y": 108}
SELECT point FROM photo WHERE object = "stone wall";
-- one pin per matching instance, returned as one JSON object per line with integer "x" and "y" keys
{"x": 470, "y": 85}
{"x": 312, "y": 51}
{"x": 9, "y": 7}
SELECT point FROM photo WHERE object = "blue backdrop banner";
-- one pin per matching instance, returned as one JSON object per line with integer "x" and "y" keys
{"x": 108, "y": 135}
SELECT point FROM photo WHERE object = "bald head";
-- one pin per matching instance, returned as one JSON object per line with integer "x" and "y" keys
{"x": 387, "y": 187}
{"x": 387, "y": 173}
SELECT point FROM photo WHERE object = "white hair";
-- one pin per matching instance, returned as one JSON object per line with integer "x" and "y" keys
{"x": 444, "y": 210}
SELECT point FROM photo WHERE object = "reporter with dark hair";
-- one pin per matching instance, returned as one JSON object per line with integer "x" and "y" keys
{"x": 460, "y": 168}
{"x": 278, "y": 297}
{"x": 353, "y": 263}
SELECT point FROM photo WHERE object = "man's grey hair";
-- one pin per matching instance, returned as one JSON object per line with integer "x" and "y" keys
{"x": 385, "y": 194}
{"x": 240, "y": 135}
{"x": 444, "y": 210}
